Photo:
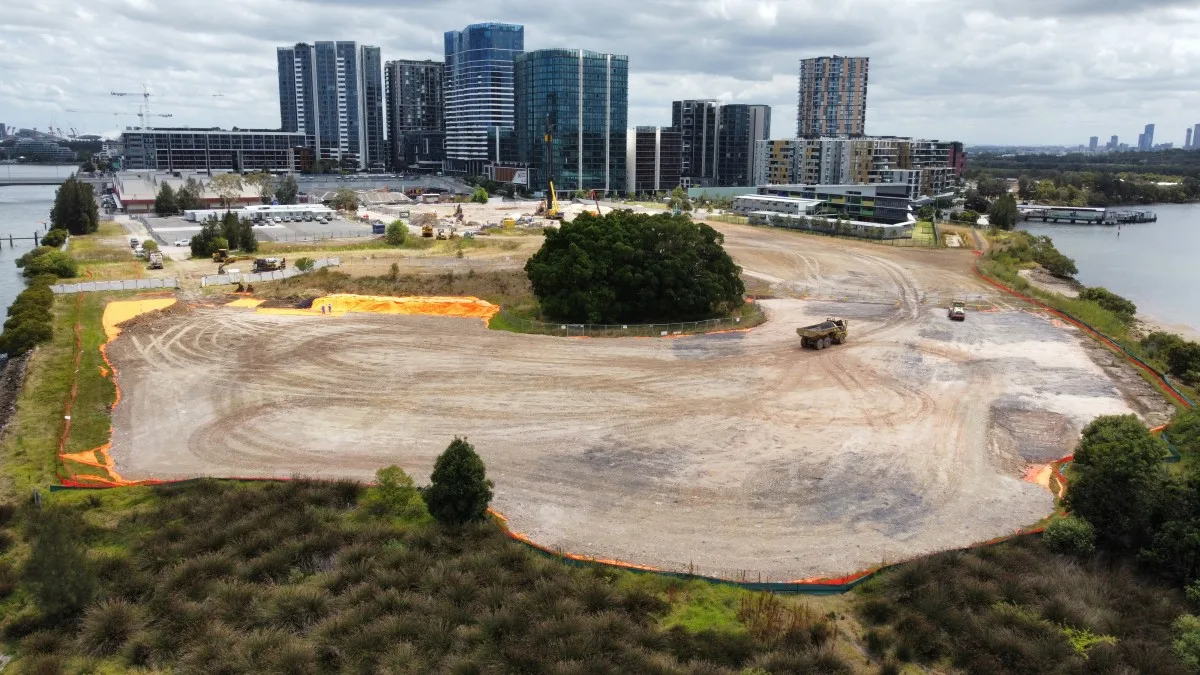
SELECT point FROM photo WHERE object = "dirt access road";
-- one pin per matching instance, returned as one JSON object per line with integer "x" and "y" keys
{"x": 735, "y": 453}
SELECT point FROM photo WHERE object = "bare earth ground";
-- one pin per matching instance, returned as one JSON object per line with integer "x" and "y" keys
{"x": 736, "y": 453}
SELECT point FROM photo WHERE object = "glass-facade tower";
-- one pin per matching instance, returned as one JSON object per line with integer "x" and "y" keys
{"x": 584, "y": 97}
{"x": 478, "y": 84}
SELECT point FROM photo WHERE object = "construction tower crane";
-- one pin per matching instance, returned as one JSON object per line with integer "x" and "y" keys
{"x": 146, "y": 96}
{"x": 141, "y": 113}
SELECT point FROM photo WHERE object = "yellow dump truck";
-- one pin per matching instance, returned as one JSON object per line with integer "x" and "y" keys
{"x": 821, "y": 335}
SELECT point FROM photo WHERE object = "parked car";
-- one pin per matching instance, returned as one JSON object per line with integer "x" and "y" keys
{"x": 183, "y": 242}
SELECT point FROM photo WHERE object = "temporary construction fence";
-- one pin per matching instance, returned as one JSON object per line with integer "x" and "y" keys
{"x": 257, "y": 277}
{"x": 121, "y": 285}
{"x": 752, "y": 316}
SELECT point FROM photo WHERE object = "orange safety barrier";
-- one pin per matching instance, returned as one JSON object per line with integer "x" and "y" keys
{"x": 115, "y": 313}
{"x": 342, "y": 303}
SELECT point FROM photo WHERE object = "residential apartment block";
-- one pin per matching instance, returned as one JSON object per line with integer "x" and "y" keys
{"x": 653, "y": 157}
{"x": 182, "y": 149}
{"x": 584, "y": 98}
{"x": 719, "y": 140}
{"x": 697, "y": 122}
{"x": 478, "y": 89}
{"x": 332, "y": 92}
{"x": 832, "y": 96}
{"x": 416, "y": 127}
{"x": 925, "y": 167}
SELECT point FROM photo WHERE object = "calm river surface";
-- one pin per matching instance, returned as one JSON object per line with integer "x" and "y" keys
{"x": 1156, "y": 265}
{"x": 24, "y": 209}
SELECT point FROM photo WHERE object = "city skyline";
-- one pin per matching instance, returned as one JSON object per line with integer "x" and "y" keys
{"x": 739, "y": 52}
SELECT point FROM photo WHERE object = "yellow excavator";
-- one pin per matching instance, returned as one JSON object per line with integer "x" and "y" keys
{"x": 552, "y": 210}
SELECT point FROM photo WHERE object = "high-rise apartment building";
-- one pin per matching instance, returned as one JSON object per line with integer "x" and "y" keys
{"x": 416, "y": 131}
{"x": 1146, "y": 139}
{"x": 1093, "y": 143}
{"x": 584, "y": 98}
{"x": 697, "y": 122}
{"x": 478, "y": 89}
{"x": 332, "y": 92}
{"x": 833, "y": 97}
{"x": 741, "y": 128}
{"x": 1114, "y": 142}
{"x": 653, "y": 157}
{"x": 1196, "y": 136}
{"x": 1187, "y": 141}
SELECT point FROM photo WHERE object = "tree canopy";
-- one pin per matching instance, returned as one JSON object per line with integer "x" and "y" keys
{"x": 1003, "y": 213}
{"x": 627, "y": 267}
{"x": 75, "y": 207}
{"x": 459, "y": 491}
{"x": 165, "y": 203}
{"x": 228, "y": 187}
{"x": 187, "y": 197}
{"x": 287, "y": 190}
{"x": 345, "y": 199}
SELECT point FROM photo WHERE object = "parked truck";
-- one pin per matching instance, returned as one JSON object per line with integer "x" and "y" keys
{"x": 828, "y": 332}
{"x": 269, "y": 264}
{"x": 156, "y": 261}
{"x": 958, "y": 311}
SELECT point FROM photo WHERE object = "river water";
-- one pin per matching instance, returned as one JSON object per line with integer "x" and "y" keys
{"x": 1156, "y": 265}
{"x": 24, "y": 209}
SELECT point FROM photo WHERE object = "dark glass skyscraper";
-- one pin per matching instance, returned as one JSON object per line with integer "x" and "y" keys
{"x": 697, "y": 122}
{"x": 478, "y": 85}
{"x": 333, "y": 93}
{"x": 742, "y": 127}
{"x": 416, "y": 133}
{"x": 584, "y": 96}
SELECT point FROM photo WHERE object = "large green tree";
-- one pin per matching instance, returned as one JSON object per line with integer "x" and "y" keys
{"x": 75, "y": 207}
{"x": 1116, "y": 473}
{"x": 345, "y": 199}
{"x": 287, "y": 190}
{"x": 187, "y": 197}
{"x": 628, "y": 267}
{"x": 164, "y": 203}
{"x": 459, "y": 491}
{"x": 228, "y": 187}
{"x": 1003, "y": 213}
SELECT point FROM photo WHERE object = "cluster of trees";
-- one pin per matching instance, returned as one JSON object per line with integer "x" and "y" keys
{"x": 625, "y": 267}
{"x": 344, "y": 199}
{"x": 228, "y": 231}
{"x": 1088, "y": 188}
{"x": 1129, "y": 501}
{"x": 480, "y": 196}
{"x": 1023, "y": 248}
{"x": 1180, "y": 357}
{"x": 29, "y": 322}
{"x": 1003, "y": 213}
{"x": 75, "y": 208}
{"x": 1122, "y": 307}
{"x": 228, "y": 187}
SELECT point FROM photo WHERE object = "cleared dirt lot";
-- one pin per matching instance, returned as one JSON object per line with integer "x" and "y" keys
{"x": 733, "y": 453}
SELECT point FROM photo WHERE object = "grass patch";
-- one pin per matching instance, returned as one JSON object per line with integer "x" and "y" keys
{"x": 426, "y": 245}
{"x": 1016, "y": 607}
{"x": 649, "y": 205}
{"x": 220, "y": 576}
{"x": 923, "y": 234}
{"x": 108, "y": 244}
{"x": 29, "y": 449}
{"x": 503, "y": 287}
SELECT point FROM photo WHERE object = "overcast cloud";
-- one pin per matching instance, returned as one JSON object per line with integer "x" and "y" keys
{"x": 981, "y": 71}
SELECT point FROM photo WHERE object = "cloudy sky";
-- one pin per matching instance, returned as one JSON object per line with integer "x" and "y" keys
{"x": 981, "y": 71}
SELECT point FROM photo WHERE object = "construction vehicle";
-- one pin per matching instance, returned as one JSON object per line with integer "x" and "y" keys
{"x": 551, "y": 211}
{"x": 156, "y": 261}
{"x": 958, "y": 311}
{"x": 269, "y": 264}
{"x": 441, "y": 234}
{"x": 426, "y": 230}
{"x": 221, "y": 255}
{"x": 828, "y": 332}
{"x": 508, "y": 223}
{"x": 458, "y": 214}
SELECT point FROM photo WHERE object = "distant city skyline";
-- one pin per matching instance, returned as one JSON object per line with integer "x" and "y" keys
{"x": 1031, "y": 77}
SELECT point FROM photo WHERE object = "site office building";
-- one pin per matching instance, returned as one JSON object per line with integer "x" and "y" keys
{"x": 332, "y": 92}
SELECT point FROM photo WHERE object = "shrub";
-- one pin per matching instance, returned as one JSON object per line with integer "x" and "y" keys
{"x": 75, "y": 208}
{"x": 30, "y": 256}
{"x": 1110, "y": 301}
{"x": 304, "y": 264}
{"x": 397, "y": 233}
{"x": 107, "y": 626}
{"x": 52, "y": 262}
{"x": 626, "y": 267}
{"x": 480, "y": 196}
{"x": 1187, "y": 641}
{"x": 459, "y": 491}
{"x": 54, "y": 238}
{"x": 150, "y": 246}
{"x": 1070, "y": 536}
{"x": 394, "y": 495}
